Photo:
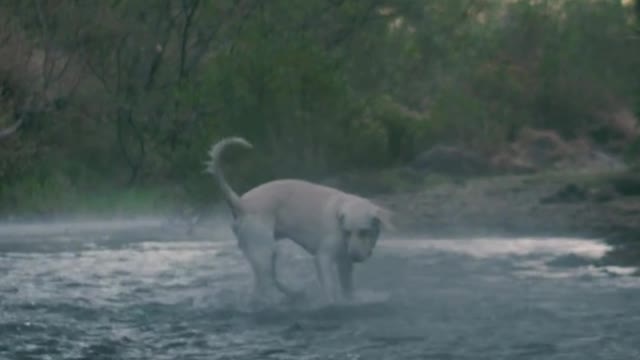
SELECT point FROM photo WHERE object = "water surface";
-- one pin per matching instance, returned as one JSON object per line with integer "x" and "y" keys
{"x": 155, "y": 294}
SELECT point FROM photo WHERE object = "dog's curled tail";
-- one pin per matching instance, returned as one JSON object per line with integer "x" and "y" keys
{"x": 213, "y": 167}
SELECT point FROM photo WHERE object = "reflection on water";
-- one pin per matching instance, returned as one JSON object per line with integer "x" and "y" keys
{"x": 124, "y": 296}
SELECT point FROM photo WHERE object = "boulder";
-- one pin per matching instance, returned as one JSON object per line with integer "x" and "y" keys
{"x": 627, "y": 184}
{"x": 535, "y": 150}
{"x": 615, "y": 128}
{"x": 540, "y": 148}
{"x": 508, "y": 163}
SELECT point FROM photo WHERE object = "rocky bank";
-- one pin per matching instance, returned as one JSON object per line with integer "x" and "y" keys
{"x": 588, "y": 205}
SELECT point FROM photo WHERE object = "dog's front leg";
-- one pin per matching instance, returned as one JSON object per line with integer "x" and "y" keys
{"x": 345, "y": 269}
{"x": 326, "y": 268}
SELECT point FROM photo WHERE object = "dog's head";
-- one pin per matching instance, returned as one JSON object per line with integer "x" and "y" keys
{"x": 360, "y": 223}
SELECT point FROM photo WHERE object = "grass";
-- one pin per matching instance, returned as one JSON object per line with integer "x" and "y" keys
{"x": 58, "y": 197}
{"x": 54, "y": 200}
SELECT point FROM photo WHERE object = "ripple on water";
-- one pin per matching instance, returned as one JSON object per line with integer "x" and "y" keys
{"x": 491, "y": 298}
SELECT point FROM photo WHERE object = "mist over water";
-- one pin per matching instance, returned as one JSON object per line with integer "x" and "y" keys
{"x": 140, "y": 290}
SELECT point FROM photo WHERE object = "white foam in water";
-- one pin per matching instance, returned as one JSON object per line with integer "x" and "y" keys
{"x": 543, "y": 271}
{"x": 543, "y": 250}
{"x": 620, "y": 270}
{"x": 67, "y": 227}
{"x": 493, "y": 247}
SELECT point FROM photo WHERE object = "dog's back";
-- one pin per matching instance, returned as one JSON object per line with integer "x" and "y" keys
{"x": 298, "y": 208}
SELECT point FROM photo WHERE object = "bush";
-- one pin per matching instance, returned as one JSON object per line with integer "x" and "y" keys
{"x": 318, "y": 87}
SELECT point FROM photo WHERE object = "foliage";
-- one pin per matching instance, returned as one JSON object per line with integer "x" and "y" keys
{"x": 129, "y": 94}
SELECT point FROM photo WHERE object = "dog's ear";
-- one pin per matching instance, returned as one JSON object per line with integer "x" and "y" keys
{"x": 384, "y": 216}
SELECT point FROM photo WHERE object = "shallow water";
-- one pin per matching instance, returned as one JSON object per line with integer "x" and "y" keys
{"x": 157, "y": 295}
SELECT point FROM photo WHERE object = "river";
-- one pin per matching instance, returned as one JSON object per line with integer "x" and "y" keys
{"x": 138, "y": 291}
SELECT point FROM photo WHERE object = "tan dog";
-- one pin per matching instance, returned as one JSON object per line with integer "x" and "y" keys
{"x": 337, "y": 228}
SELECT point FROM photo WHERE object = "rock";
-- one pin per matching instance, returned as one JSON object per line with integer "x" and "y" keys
{"x": 451, "y": 160}
{"x": 602, "y": 195}
{"x": 627, "y": 185}
{"x": 572, "y": 193}
{"x": 541, "y": 148}
{"x": 535, "y": 150}
{"x": 532, "y": 151}
{"x": 603, "y": 161}
{"x": 506, "y": 163}
{"x": 615, "y": 128}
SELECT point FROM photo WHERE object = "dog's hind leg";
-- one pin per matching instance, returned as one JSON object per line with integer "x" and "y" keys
{"x": 258, "y": 245}
{"x": 258, "y": 248}
{"x": 291, "y": 294}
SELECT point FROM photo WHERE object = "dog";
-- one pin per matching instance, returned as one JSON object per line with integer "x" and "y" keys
{"x": 338, "y": 229}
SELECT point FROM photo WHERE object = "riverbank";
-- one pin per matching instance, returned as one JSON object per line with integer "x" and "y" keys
{"x": 602, "y": 205}
{"x": 554, "y": 203}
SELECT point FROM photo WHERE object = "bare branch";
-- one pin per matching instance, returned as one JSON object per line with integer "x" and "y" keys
{"x": 119, "y": 66}
{"x": 357, "y": 24}
{"x": 67, "y": 61}
{"x": 5, "y": 29}
{"x": 47, "y": 63}
{"x": 100, "y": 75}
{"x": 159, "y": 55}
{"x": 237, "y": 16}
{"x": 189, "y": 13}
